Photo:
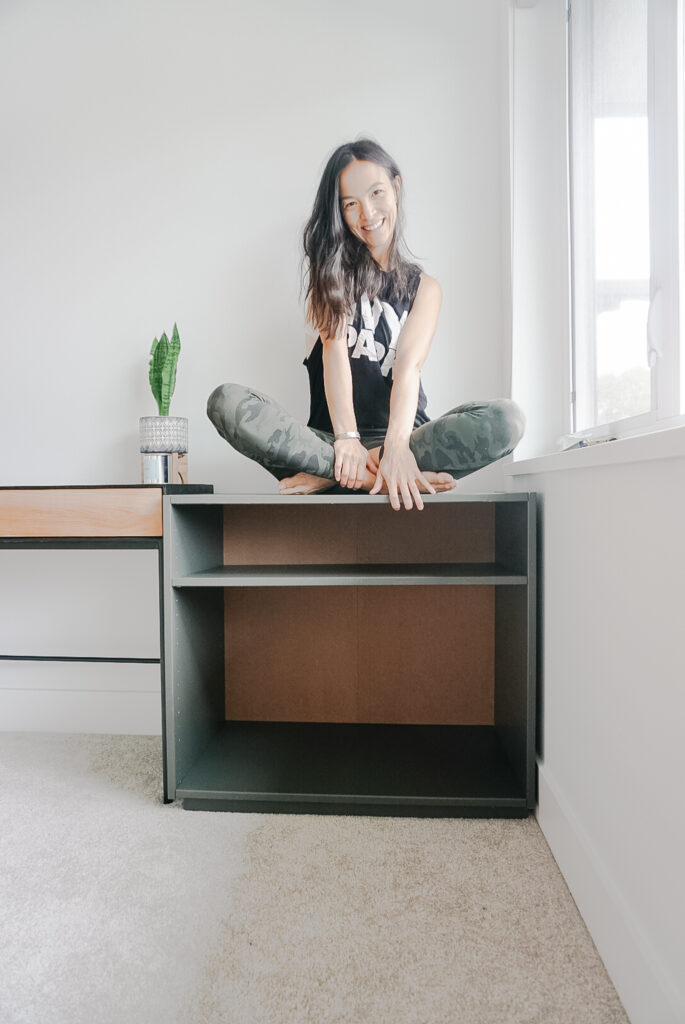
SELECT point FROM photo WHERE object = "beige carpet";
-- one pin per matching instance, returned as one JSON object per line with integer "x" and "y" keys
{"x": 117, "y": 909}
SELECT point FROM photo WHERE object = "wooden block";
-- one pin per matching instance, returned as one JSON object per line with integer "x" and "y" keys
{"x": 81, "y": 512}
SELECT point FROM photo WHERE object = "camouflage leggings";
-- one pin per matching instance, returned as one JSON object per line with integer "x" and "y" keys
{"x": 461, "y": 441}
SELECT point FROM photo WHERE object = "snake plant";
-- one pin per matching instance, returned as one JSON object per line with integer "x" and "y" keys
{"x": 163, "y": 359}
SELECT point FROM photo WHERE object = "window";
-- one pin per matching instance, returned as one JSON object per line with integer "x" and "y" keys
{"x": 626, "y": 141}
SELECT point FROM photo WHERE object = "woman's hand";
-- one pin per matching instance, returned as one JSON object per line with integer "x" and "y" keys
{"x": 351, "y": 458}
{"x": 402, "y": 476}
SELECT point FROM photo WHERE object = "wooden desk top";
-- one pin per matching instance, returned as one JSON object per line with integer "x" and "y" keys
{"x": 117, "y": 510}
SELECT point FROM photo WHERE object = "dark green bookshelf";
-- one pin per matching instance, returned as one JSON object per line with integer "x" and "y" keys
{"x": 381, "y": 768}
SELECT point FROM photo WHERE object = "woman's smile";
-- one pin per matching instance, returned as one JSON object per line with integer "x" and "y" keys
{"x": 373, "y": 227}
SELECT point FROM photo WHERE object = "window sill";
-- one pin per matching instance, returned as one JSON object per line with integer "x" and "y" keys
{"x": 660, "y": 444}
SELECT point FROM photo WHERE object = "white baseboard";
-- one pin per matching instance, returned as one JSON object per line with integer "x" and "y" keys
{"x": 648, "y": 993}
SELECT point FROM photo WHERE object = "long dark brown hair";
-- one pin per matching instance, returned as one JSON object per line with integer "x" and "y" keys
{"x": 337, "y": 266}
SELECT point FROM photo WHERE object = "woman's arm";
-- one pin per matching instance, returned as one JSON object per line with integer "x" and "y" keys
{"x": 398, "y": 466}
{"x": 351, "y": 456}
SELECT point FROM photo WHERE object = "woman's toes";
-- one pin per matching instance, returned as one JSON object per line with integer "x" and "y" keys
{"x": 444, "y": 482}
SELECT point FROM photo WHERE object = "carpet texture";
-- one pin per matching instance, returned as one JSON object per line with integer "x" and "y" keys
{"x": 116, "y": 909}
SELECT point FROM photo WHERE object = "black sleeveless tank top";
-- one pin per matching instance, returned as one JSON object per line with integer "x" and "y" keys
{"x": 372, "y": 334}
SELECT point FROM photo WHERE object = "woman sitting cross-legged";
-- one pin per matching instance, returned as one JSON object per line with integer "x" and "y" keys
{"x": 373, "y": 314}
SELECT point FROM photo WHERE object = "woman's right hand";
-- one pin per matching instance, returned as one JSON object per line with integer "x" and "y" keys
{"x": 351, "y": 458}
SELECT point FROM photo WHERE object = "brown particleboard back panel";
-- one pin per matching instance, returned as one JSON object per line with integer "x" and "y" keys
{"x": 86, "y": 512}
{"x": 345, "y": 534}
{"x": 396, "y": 655}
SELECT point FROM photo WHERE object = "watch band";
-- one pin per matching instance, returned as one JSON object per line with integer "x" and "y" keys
{"x": 348, "y": 435}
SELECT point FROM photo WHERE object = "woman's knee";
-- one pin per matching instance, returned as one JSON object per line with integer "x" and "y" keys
{"x": 508, "y": 424}
{"x": 224, "y": 401}
{"x": 225, "y": 407}
{"x": 246, "y": 418}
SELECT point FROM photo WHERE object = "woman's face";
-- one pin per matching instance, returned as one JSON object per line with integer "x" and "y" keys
{"x": 369, "y": 205}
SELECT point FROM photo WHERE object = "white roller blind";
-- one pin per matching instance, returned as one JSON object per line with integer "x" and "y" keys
{"x": 610, "y": 210}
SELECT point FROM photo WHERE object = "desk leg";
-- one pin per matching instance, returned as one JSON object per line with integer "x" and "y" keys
{"x": 160, "y": 555}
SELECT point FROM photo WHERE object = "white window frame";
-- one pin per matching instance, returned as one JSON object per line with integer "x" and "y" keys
{"x": 666, "y": 292}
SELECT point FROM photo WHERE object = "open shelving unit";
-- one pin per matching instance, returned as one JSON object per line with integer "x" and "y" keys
{"x": 328, "y": 654}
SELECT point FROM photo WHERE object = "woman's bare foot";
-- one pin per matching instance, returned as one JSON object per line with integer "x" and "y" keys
{"x": 304, "y": 483}
{"x": 440, "y": 481}
{"x": 307, "y": 483}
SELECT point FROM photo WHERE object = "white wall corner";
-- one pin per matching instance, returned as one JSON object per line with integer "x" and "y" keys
{"x": 540, "y": 257}
{"x": 649, "y": 995}
{"x": 506, "y": 162}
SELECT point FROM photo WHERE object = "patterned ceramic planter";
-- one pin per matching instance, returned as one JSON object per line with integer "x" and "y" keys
{"x": 163, "y": 434}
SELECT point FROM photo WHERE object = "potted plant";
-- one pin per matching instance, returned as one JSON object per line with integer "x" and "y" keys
{"x": 164, "y": 434}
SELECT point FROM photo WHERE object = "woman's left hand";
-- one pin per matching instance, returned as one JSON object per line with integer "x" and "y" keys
{"x": 402, "y": 476}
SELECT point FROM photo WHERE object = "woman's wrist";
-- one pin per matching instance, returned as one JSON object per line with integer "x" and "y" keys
{"x": 396, "y": 442}
{"x": 347, "y": 435}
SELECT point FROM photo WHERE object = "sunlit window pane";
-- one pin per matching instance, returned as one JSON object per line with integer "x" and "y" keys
{"x": 623, "y": 377}
{"x": 621, "y": 158}
{"x": 627, "y": 160}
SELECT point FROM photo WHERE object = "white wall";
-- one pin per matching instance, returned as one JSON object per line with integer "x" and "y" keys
{"x": 540, "y": 324}
{"x": 160, "y": 162}
{"x": 612, "y": 760}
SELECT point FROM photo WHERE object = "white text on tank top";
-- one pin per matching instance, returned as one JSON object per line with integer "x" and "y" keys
{"x": 364, "y": 342}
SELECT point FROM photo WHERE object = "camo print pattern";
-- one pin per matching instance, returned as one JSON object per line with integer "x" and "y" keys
{"x": 468, "y": 437}
{"x": 465, "y": 439}
{"x": 263, "y": 430}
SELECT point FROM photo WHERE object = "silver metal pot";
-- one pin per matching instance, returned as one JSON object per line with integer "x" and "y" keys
{"x": 164, "y": 467}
